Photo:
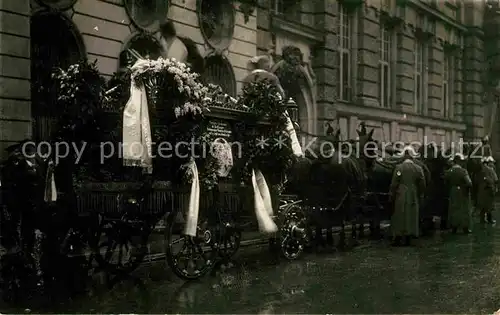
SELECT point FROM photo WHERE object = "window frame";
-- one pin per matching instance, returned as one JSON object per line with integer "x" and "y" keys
{"x": 385, "y": 62}
{"x": 419, "y": 76}
{"x": 346, "y": 20}
{"x": 448, "y": 85}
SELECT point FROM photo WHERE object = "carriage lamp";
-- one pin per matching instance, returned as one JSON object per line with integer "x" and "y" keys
{"x": 293, "y": 110}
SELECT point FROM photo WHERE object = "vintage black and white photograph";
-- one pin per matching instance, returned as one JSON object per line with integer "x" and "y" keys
{"x": 249, "y": 156}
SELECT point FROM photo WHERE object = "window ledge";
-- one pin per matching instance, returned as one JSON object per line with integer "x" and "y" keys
{"x": 280, "y": 24}
{"x": 389, "y": 115}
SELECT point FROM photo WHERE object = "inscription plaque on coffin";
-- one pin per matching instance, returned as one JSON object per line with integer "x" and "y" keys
{"x": 219, "y": 128}
{"x": 221, "y": 134}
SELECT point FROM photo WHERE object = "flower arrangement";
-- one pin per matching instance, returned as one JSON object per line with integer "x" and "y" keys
{"x": 79, "y": 98}
{"x": 177, "y": 79}
{"x": 266, "y": 146}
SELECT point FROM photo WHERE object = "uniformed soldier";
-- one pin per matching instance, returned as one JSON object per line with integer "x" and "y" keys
{"x": 458, "y": 182}
{"x": 406, "y": 193}
{"x": 487, "y": 188}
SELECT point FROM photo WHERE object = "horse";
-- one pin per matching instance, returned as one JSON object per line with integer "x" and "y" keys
{"x": 332, "y": 183}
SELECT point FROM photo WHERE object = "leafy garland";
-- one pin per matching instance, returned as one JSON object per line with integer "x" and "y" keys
{"x": 79, "y": 98}
{"x": 273, "y": 155}
{"x": 179, "y": 102}
{"x": 80, "y": 92}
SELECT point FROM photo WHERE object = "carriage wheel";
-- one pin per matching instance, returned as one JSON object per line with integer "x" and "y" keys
{"x": 121, "y": 245}
{"x": 230, "y": 239}
{"x": 190, "y": 257}
{"x": 293, "y": 231}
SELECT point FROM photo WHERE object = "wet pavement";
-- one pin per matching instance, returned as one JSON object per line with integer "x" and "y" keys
{"x": 442, "y": 274}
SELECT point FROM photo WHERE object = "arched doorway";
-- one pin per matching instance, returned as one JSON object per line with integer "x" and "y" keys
{"x": 301, "y": 91}
{"x": 60, "y": 47}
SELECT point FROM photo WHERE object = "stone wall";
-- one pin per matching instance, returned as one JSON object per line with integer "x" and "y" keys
{"x": 15, "y": 112}
{"x": 105, "y": 28}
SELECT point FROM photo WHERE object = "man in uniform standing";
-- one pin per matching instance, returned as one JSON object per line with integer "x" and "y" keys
{"x": 458, "y": 182}
{"x": 406, "y": 192}
{"x": 487, "y": 188}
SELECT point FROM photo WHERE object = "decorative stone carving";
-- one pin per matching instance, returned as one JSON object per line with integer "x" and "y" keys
{"x": 259, "y": 68}
{"x": 247, "y": 7}
{"x": 390, "y": 21}
{"x": 292, "y": 55}
{"x": 216, "y": 20}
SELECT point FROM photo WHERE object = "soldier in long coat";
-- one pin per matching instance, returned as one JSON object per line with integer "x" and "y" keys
{"x": 487, "y": 188}
{"x": 458, "y": 182}
{"x": 406, "y": 192}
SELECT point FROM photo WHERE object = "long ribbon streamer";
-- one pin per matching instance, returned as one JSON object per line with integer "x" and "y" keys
{"x": 137, "y": 142}
{"x": 262, "y": 203}
{"x": 194, "y": 201}
{"x": 296, "y": 149}
{"x": 50, "y": 184}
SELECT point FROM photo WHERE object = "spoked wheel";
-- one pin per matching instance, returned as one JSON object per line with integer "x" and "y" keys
{"x": 293, "y": 231}
{"x": 190, "y": 257}
{"x": 230, "y": 238}
{"x": 122, "y": 244}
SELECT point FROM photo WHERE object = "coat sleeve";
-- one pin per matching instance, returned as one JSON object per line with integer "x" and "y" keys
{"x": 467, "y": 180}
{"x": 396, "y": 177}
{"x": 420, "y": 180}
{"x": 495, "y": 176}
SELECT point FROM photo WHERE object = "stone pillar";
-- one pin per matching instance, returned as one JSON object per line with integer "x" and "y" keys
{"x": 368, "y": 57}
{"x": 473, "y": 107}
{"x": 324, "y": 62}
{"x": 394, "y": 131}
{"x": 404, "y": 69}
{"x": 435, "y": 104}
{"x": 353, "y": 126}
{"x": 474, "y": 68}
{"x": 458, "y": 76}
{"x": 15, "y": 68}
{"x": 264, "y": 37}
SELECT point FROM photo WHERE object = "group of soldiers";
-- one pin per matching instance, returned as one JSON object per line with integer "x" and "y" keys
{"x": 408, "y": 187}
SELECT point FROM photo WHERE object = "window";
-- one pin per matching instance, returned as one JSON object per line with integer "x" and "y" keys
{"x": 447, "y": 85}
{"x": 290, "y": 11}
{"x": 385, "y": 83}
{"x": 419, "y": 77}
{"x": 61, "y": 47}
{"x": 344, "y": 74}
{"x": 219, "y": 71}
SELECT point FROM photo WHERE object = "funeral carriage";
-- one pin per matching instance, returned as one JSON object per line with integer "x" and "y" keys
{"x": 161, "y": 147}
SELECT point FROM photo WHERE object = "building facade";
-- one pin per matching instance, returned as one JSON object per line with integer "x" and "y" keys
{"x": 407, "y": 68}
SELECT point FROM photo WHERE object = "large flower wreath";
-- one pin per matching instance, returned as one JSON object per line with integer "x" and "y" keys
{"x": 178, "y": 102}
{"x": 262, "y": 133}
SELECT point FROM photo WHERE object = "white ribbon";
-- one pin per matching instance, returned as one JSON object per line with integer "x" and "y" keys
{"x": 194, "y": 201}
{"x": 137, "y": 142}
{"x": 262, "y": 203}
{"x": 50, "y": 184}
{"x": 296, "y": 149}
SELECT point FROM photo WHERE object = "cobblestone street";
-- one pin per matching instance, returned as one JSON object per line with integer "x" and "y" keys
{"x": 443, "y": 274}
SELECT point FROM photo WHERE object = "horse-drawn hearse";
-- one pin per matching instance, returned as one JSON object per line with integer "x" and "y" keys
{"x": 61, "y": 213}
{"x": 156, "y": 145}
